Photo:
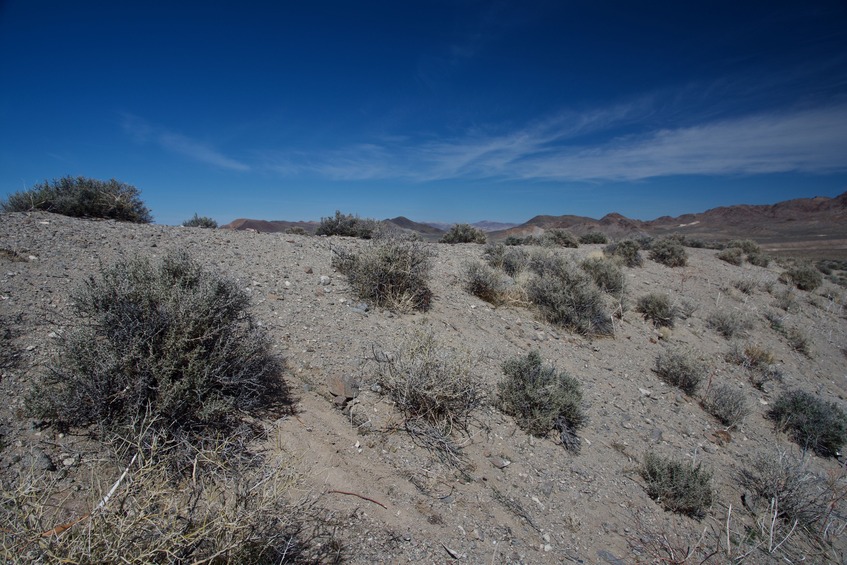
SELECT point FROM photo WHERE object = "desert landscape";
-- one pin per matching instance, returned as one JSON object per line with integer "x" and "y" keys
{"x": 395, "y": 439}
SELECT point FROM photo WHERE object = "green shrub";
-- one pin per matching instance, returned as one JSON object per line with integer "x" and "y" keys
{"x": 81, "y": 197}
{"x": 726, "y": 403}
{"x": 669, "y": 253}
{"x": 606, "y": 274}
{"x": 728, "y": 323}
{"x": 628, "y": 250}
{"x": 435, "y": 389}
{"x": 804, "y": 277}
{"x": 812, "y": 422}
{"x": 464, "y": 233}
{"x": 200, "y": 222}
{"x": 678, "y": 367}
{"x": 593, "y": 237}
{"x": 680, "y": 487}
{"x": 759, "y": 259}
{"x": 746, "y": 245}
{"x": 567, "y": 297}
{"x": 392, "y": 273}
{"x": 562, "y": 238}
{"x": 484, "y": 282}
{"x": 542, "y": 399}
{"x": 657, "y": 308}
{"x": 513, "y": 240}
{"x": 732, "y": 255}
{"x": 296, "y": 230}
{"x": 347, "y": 225}
{"x": 167, "y": 353}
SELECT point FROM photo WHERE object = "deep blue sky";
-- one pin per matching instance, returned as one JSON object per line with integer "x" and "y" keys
{"x": 440, "y": 110}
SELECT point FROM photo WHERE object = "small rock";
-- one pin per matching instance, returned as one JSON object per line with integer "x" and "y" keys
{"x": 656, "y": 435}
{"x": 644, "y": 392}
{"x": 343, "y": 385}
{"x": 30, "y": 347}
{"x": 308, "y": 270}
{"x": 68, "y": 461}
{"x": 41, "y": 461}
{"x": 499, "y": 462}
{"x": 325, "y": 280}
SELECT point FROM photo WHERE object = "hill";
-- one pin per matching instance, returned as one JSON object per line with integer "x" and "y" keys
{"x": 376, "y": 487}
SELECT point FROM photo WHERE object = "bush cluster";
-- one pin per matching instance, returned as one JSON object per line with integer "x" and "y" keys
{"x": 82, "y": 197}
{"x": 605, "y": 273}
{"x": 510, "y": 260}
{"x": 347, "y": 225}
{"x": 657, "y": 308}
{"x": 727, "y": 403}
{"x": 812, "y": 422}
{"x": 559, "y": 237}
{"x": 678, "y": 486}
{"x": 484, "y": 282}
{"x": 728, "y": 323}
{"x": 804, "y": 277}
{"x": 759, "y": 259}
{"x": 392, "y": 273}
{"x": 748, "y": 246}
{"x": 566, "y": 296}
{"x": 464, "y": 233}
{"x": 434, "y": 387}
{"x": 542, "y": 399}
{"x": 163, "y": 352}
{"x": 593, "y": 237}
{"x": 200, "y": 222}
{"x": 628, "y": 250}
{"x": 669, "y": 252}
{"x": 680, "y": 368}
{"x": 732, "y": 255}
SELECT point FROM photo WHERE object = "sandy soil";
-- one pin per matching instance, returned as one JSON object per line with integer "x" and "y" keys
{"x": 546, "y": 505}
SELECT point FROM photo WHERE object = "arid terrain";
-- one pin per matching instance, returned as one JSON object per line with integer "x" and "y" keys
{"x": 512, "y": 498}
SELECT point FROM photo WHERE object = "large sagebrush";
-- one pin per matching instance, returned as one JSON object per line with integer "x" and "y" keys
{"x": 166, "y": 352}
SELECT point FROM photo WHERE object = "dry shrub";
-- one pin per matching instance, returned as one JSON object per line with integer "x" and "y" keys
{"x": 797, "y": 494}
{"x": 606, "y": 274}
{"x": 798, "y": 341}
{"x": 567, "y": 297}
{"x": 786, "y": 301}
{"x": 464, "y": 233}
{"x": 746, "y": 245}
{"x": 82, "y": 197}
{"x": 559, "y": 237}
{"x": 168, "y": 352}
{"x": 803, "y": 276}
{"x": 812, "y": 422}
{"x": 747, "y": 286}
{"x": 732, "y": 255}
{"x": 484, "y": 282}
{"x": 542, "y": 399}
{"x": 726, "y": 403}
{"x": 759, "y": 259}
{"x": 434, "y": 387}
{"x": 678, "y": 486}
{"x": 200, "y": 222}
{"x": 509, "y": 259}
{"x": 679, "y": 367}
{"x": 221, "y": 514}
{"x": 593, "y": 237}
{"x": 669, "y": 252}
{"x": 657, "y": 308}
{"x": 347, "y": 225}
{"x": 728, "y": 323}
{"x": 392, "y": 273}
{"x": 750, "y": 356}
{"x": 627, "y": 250}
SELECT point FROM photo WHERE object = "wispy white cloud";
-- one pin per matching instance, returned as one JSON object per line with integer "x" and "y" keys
{"x": 566, "y": 148}
{"x": 142, "y": 131}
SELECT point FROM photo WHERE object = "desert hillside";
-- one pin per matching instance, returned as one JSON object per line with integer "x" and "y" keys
{"x": 387, "y": 495}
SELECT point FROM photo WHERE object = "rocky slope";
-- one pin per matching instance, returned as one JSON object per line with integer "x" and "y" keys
{"x": 516, "y": 498}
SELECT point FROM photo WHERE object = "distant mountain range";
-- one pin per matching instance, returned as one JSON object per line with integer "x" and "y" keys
{"x": 817, "y": 224}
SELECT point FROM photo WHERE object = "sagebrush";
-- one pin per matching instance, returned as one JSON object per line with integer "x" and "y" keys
{"x": 628, "y": 251}
{"x": 657, "y": 308}
{"x": 669, "y": 252}
{"x": 678, "y": 486}
{"x": 679, "y": 367}
{"x": 727, "y": 403}
{"x": 811, "y": 421}
{"x": 82, "y": 197}
{"x": 392, "y": 273}
{"x": 542, "y": 399}
{"x": 464, "y": 233}
{"x": 165, "y": 351}
{"x": 200, "y": 222}
{"x": 347, "y": 225}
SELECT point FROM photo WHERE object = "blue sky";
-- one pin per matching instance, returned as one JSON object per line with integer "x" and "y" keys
{"x": 443, "y": 110}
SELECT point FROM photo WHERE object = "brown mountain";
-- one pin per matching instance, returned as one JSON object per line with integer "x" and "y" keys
{"x": 269, "y": 226}
{"x": 407, "y": 224}
{"x": 804, "y": 225}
